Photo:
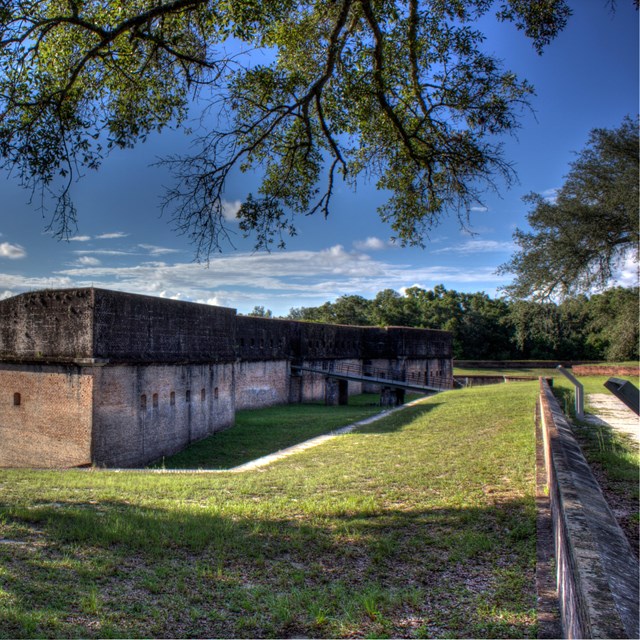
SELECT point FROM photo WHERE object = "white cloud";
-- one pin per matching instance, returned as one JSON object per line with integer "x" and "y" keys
{"x": 279, "y": 280}
{"x": 154, "y": 250}
{"x": 102, "y": 252}
{"x": 628, "y": 273}
{"x": 478, "y": 246}
{"x": 215, "y": 302}
{"x": 15, "y": 284}
{"x": 479, "y": 209}
{"x": 370, "y": 244}
{"x": 550, "y": 195}
{"x": 112, "y": 236}
{"x": 170, "y": 295}
{"x": 87, "y": 261}
{"x": 230, "y": 209}
{"x": 12, "y": 251}
{"x": 80, "y": 239}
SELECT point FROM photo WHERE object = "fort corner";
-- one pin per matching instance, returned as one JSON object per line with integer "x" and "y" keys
{"x": 91, "y": 376}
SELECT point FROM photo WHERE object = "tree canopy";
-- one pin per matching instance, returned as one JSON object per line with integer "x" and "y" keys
{"x": 397, "y": 91}
{"x": 579, "y": 238}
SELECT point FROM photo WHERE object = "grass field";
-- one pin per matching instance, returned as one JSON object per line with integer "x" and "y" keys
{"x": 419, "y": 525}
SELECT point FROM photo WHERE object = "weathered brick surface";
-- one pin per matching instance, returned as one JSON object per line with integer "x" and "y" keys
{"x": 261, "y": 383}
{"x": 312, "y": 385}
{"x": 51, "y": 425}
{"x": 131, "y": 431}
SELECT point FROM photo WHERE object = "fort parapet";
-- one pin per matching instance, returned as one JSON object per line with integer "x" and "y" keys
{"x": 90, "y": 376}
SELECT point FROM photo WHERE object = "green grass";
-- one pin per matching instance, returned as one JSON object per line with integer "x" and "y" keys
{"x": 419, "y": 525}
{"x": 258, "y": 432}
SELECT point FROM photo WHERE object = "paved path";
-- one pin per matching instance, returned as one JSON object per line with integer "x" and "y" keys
{"x": 606, "y": 409}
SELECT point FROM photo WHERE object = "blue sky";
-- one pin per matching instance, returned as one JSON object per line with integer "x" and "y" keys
{"x": 587, "y": 78}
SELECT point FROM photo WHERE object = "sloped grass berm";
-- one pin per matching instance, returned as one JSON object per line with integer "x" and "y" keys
{"x": 420, "y": 525}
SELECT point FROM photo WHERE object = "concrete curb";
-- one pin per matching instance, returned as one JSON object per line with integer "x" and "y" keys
{"x": 597, "y": 572}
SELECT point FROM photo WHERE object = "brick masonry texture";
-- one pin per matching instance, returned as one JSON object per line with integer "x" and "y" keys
{"x": 49, "y": 423}
{"x": 118, "y": 379}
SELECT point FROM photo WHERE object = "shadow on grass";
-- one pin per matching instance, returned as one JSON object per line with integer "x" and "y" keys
{"x": 114, "y": 570}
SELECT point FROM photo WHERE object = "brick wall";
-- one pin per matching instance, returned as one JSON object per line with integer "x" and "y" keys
{"x": 142, "y": 413}
{"x": 48, "y": 424}
{"x": 141, "y": 355}
{"x": 261, "y": 383}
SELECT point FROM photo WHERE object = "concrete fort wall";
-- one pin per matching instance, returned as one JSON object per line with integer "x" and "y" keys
{"x": 45, "y": 416}
{"x": 597, "y": 571}
{"x": 118, "y": 379}
{"x": 142, "y": 413}
{"x": 131, "y": 328}
{"x": 47, "y": 325}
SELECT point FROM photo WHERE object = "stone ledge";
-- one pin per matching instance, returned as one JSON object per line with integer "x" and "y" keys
{"x": 597, "y": 572}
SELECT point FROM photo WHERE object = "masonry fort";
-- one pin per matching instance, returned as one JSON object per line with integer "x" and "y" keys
{"x": 96, "y": 377}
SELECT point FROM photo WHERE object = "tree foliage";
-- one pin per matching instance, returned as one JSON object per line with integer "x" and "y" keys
{"x": 580, "y": 238}
{"x": 397, "y": 91}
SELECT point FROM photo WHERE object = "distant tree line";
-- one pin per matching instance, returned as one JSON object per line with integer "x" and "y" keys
{"x": 603, "y": 326}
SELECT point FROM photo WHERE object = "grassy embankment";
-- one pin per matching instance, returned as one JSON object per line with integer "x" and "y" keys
{"x": 419, "y": 525}
{"x": 614, "y": 457}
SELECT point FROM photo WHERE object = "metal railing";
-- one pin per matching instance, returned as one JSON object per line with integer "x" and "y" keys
{"x": 378, "y": 375}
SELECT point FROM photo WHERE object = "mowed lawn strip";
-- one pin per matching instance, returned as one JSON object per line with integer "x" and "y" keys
{"x": 419, "y": 525}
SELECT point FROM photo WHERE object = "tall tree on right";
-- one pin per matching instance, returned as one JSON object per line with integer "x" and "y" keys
{"x": 581, "y": 237}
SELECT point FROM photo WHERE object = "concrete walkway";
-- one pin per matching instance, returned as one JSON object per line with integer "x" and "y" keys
{"x": 606, "y": 409}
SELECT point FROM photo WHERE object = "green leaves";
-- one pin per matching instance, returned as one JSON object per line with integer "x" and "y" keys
{"x": 399, "y": 91}
{"x": 580, "y": 237}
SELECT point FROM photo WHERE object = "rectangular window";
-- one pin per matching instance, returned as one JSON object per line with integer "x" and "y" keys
{"x": 172, "y": 398}
{"x": 17, "y": 399}
{"x": 155, "y": 400}
{"x": 203, "y": 395}
{"x": 143, "y": 402}
{"x": 187, "y": 396}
